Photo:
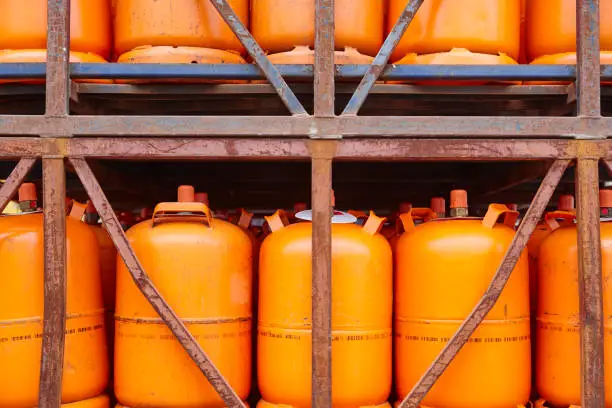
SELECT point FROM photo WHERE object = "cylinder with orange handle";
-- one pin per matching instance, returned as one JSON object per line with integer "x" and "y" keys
{"x": 558, "y": 315}
{"x": 361, "y": 314}
{"x": 443, "y": 267}
{"x": 86, "y": 370}
{"x": 202, "y": 267}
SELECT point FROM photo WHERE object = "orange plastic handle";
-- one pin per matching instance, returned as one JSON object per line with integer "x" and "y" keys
{"x": 497, "y": 210}
{"x": 374, "y": 224}
{"x": 78, "y": 210}
{"x": 187, "y": 212}
{"x": 407, "y": 219}
{"x": 277, "y": 221}
{"x": 244, "y": 221}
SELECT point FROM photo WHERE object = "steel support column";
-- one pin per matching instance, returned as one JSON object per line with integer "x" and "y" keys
{"x": 54, "y": 318}
{"x": 588, "y": 67}
{"x": 322, "y": 156}
{"x": 322, "y": 153}
{"x": 590, "y": 283}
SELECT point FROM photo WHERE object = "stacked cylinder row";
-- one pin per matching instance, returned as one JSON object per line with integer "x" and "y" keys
{"x": 192, "y": 31}
{"x": 400, "y": 290}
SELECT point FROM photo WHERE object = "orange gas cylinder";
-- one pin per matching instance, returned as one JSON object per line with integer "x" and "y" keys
{"x": 443, "y": 267}
{"x": 558, "y": 316}
{"x": 280, "y": 25}
{"x": 21, "y": 309}
{"x": 486, "y": 26}
{"x": 101, "y": 401}
{"x": 568, "y": 58}
{"x": 24, "y": 25}
{"x": 202, "y": 267}
{"x": 457, "y": 56}
{"x": 551, "y": 27}
{"x": 361, "y": 314}
{"x": 178, "y": 23}
{"x": 564, "y": 216}
{"x": 178, "y": 55}
{"x": 108, "y": 271}
{"x": 12, "y": 56}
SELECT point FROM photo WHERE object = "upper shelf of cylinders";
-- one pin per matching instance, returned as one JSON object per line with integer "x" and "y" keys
{"x": 442, "y": 32}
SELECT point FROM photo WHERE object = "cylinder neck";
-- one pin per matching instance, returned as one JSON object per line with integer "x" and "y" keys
{"x": 458, "y": 203}
{"x": 459, "y": 212}
{"x": 91, "y": 218}
{"x": 28, "y": 200}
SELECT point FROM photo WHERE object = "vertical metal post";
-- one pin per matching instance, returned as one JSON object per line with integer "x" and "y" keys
{"x": 54, "y": 323}
{"x": 588, "y": 68}
{"x": 58, "y": 58}
{"x": 590, "y": 283}
{"x": 54, "y": 196}
{"x": 322, "y": 154}
{"x": 324, "y": 85}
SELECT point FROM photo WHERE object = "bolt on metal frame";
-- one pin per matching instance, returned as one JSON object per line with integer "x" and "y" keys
{"x": 322, "y": 137}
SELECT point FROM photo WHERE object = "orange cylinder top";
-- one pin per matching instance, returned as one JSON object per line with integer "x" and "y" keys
{"x": 202, "y": 266}
{"x": 486, "y": 26}
{"x": 21, "y": 311}
{"x": 23, "y": 25}
{"x": 551, "y": 27}
{"x": 280, "y": 25}
{"x": 443, "y": 267}
{"x": 175, "y": 23}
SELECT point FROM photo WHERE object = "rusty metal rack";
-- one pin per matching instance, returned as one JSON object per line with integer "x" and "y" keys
{"x": 331, "y": 133}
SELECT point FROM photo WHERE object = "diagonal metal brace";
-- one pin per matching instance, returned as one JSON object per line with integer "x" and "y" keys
{"x": 380, "y": 62}
{"x": 145, "y": 285}
{"x": 14, "y": 180}
{"x": 486, "y": 303}
{"x": 256, "y": 52}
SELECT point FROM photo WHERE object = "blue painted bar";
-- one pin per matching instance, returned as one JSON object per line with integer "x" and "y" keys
{"x": 353, "y": 72}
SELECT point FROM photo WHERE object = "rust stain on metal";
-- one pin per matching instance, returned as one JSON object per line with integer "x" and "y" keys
{"x": 14, "y": 180}
{"x": 590, "y": 284}
{"x": 148, "y": 289}
{"x": 54, "y": 323}
{"x": 584, "y": 149}
{"x": 486, "y": 303}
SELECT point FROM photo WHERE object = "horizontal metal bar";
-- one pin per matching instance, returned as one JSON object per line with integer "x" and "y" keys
{"x": 155, "y": 148}
{"x": 251, "y": 72}
{"x": 287, "y": 126}
{"x": 263, "y": 89}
